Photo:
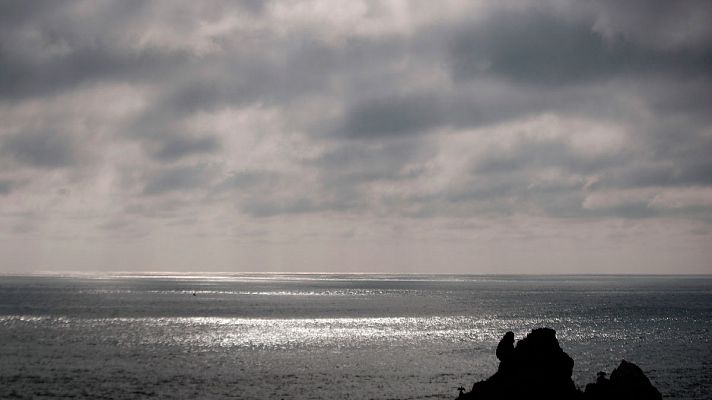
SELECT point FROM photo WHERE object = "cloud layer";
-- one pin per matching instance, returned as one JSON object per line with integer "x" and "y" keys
{"x": 541, "y": 136}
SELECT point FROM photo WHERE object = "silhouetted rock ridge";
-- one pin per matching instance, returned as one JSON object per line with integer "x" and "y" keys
{"x": 627, "y": 382}
{"x": 537, "y": 367}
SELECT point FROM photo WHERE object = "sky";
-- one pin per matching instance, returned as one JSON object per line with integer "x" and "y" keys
{"x": 361, "y": 136}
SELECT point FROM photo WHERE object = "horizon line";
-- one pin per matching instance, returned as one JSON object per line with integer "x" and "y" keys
{"x": 235, "y": 273}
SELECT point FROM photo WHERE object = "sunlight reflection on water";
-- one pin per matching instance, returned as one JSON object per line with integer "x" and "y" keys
{"x": 279, "y": 333}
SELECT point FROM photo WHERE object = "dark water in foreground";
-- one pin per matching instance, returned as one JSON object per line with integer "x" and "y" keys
{"x": 336, "y": 336}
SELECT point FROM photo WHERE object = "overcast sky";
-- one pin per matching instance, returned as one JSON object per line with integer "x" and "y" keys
{"x": 364, "y": 136}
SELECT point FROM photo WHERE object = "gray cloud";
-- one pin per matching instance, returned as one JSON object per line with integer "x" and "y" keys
{"x": 42, "y": 149}
{"x": 634, "y": 210}
{"x": 299, "y": 205}
{"x": 414, "y": 114}
{"x": 6, "y": 186}
{"x": 538, "y": 48}
{"x": 654, "y": 23}
{"x": 174, "y": 147}
{"x": 81, "y": 66}
{"x": 250, "y": 179}
{"x": 185, "y": 178}
{"x": 356, "y": 163}
{"x": 532, "y": 154}
{"x": 660, "y": 174}
{"x": 392, "y": 116}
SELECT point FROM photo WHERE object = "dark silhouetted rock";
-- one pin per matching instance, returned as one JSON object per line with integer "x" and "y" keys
{"x": 627, "y": 382}
{"x": 505, "y": 346}
{"x": 537, "y": 368}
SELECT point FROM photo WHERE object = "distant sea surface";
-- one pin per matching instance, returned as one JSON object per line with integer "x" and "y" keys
{"x": 319, "y": 336}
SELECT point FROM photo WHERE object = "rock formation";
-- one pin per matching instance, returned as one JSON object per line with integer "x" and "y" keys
{"x": 537, "y": 367}
{"x": 627, "y": 382}
{"x": 505, "y": 346}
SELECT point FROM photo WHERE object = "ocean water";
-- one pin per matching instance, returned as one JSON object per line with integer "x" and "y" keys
{"x": 318, "y": 336}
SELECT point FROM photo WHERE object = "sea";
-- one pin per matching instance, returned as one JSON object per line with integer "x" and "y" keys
{"x": 331, "y": 336}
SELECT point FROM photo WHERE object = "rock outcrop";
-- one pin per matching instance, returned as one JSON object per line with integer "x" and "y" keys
{"x": 627, "y": 382}
{"x": 538, "y": 368}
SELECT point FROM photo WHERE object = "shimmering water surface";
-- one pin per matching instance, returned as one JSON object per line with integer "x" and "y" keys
{"x": 336, "y": 336}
